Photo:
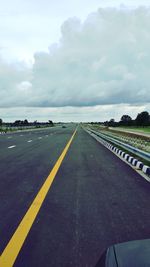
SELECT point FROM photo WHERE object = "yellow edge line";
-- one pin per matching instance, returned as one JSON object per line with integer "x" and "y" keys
{"x": 15, "y": 244}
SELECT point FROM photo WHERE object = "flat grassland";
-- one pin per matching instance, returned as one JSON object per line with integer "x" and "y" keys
{"x": 136, "y": 129}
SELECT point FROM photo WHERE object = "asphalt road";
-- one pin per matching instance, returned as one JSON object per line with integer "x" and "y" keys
{"x": 95, "y": 200}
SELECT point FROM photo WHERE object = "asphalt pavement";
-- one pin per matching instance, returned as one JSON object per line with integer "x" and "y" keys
{"x": 95, "y": 200}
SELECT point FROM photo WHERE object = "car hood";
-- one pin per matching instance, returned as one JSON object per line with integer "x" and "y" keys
{"x": 129, "y": 254}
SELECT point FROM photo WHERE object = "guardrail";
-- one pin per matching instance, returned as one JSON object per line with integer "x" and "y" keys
{"x": 132, "y": 149}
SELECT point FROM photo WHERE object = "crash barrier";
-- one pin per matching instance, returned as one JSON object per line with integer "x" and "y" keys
{"x": 133, "y": 161}
{"x": 132, "y": 149}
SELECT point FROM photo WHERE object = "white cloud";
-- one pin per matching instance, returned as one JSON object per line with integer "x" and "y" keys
{"x": 99, "y": 62}
{"x": 72, "y": 114}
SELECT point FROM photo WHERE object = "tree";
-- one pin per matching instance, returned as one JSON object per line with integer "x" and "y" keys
{"x": 17, "y": 123}
{"x": 1, "y": 122}
{"x": 111, "y": 123}
{"x": 51, "y": 123}
{"x": 126, "y": 120}
{"x": 106, "y": 123}
{"x": 143, "y": 119}
{"x": 25, "y": 122}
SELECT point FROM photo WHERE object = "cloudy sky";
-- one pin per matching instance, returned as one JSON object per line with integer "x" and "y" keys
{"x": 74, "y": 60}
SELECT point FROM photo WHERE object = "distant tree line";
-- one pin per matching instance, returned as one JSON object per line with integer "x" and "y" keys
{"x": 142, "y": 120}
{"x": 22, "y": 123}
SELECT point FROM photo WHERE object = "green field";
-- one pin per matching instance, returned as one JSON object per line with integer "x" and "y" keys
{"x": 136, "y": 129}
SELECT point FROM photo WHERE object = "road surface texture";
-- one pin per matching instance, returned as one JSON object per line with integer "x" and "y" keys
{"x": 95, "y": 200}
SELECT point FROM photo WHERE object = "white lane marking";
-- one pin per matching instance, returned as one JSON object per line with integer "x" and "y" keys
{"x": 39, "y": 137}
{"x": 9, "y": 137}
{"x": 46, "y": 135}
{"x": 21, "y": 134}
{"x": 11, "y": 146}
{"x": 29, "y": 141}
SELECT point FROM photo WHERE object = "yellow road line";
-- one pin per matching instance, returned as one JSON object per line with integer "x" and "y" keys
{"x": 15, "y": 244}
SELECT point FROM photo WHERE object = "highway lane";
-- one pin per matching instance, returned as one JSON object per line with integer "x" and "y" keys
{"x": 16, "y": 138}
{"x": 95, "y": 200}
{"x": 23, "y": 171}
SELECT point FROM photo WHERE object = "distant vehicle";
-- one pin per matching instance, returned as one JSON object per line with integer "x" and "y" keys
{"x": 128, "y": 254}
{"x": 63, "y": 126}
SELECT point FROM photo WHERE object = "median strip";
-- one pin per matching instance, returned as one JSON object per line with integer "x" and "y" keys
{"x": 15, "y": 244}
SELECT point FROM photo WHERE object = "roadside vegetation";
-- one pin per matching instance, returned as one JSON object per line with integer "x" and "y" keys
{"x": 142, "y": 129}
{"x": 133, "y": 132}
{"x": 20, "y": 125}
{"x": 141, "y": 122}
{"x": 133, "y": 139}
